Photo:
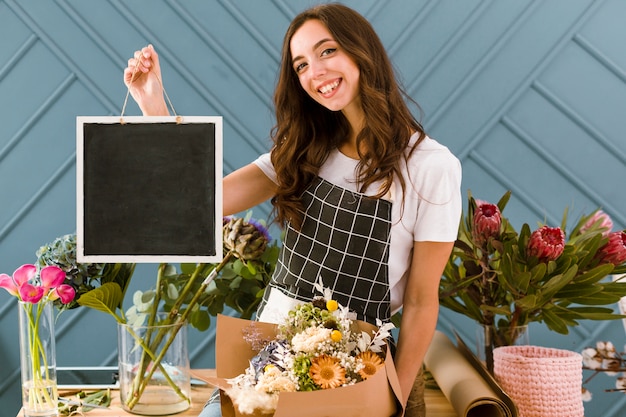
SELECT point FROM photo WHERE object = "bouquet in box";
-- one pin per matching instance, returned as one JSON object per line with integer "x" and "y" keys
{"x": 319, "y": 346}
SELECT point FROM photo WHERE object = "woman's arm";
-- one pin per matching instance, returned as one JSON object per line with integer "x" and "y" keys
{"x": 242, "y": 189}
{"x": 245, "y": 188}
{"x": 420, "y": 309}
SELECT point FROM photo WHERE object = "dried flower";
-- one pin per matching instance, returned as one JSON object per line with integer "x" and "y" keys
{"x": 248, "y": 239}
{"x": 591, "y": 358}
{"x": 371, "y": 364}
{"x": 605, "y": 359}
{"x": 326, "y": 372}
{"x": 614, "y": 251}
{"x": 487, "y": 222}
{"x": 336, "y": 336}
{"x": 586, "y": 395}
{"x": 314, "y": 349}
{"x": 546, "y": 243}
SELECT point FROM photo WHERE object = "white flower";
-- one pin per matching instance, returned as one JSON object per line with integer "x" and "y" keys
{"x": 327, "y": 293}
{"x": 310, "y": 339}
{"x": 606, "y": 349}
{"x": 274, "y": 380}
{"x": 586, "y": 394}
{"x": 591, "y": 358}
{"x": 250, "y": 401}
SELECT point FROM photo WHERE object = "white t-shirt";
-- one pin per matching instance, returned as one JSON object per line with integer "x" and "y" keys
{"x": 432, "y": 202}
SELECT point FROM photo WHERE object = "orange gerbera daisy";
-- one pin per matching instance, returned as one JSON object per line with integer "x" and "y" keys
{"x": 326, "y": 372}
{"x": 371, "y": 364}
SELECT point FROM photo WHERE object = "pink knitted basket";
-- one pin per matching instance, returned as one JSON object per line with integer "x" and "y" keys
{"x": 543, "y": 382}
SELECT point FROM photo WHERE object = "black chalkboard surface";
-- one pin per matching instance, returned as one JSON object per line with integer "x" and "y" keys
{"x": 149, "y": 189}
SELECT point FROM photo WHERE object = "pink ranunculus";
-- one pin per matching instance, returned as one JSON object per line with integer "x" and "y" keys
{"x": 51, "y": 277}
{"x": 65, "y": 292}
{"x": 31, "y": 293}
{"x": 487, "y": 222}
{"x": 614, "y": 251}
{"x": 24, "y": 274}
{"x": 8, "y": 284}
{"x": 546, "y": 243}
{"x": 602, "y": 219}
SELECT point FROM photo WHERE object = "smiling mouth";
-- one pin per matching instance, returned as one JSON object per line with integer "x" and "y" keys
{"x": 329, "y": 88}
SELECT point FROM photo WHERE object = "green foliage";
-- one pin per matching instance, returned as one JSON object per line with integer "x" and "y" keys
{"x": 239, "y": 283}
{"x": 499, "y": 283}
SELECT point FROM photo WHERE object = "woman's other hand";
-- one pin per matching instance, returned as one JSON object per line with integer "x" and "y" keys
{"x": 142, "y": 77}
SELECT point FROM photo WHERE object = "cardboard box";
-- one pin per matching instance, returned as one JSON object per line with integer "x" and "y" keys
{"x": 378, "y": 396}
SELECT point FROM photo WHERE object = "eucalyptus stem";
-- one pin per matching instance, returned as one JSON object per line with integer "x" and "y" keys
{"x": 144, "y": 362}
{"x": 181, "y": 318}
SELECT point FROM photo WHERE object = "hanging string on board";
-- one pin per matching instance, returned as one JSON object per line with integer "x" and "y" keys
{"x": 179, "y": 119}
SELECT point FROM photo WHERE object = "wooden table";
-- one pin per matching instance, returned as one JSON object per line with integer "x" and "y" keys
{"x": 436, "y": 405}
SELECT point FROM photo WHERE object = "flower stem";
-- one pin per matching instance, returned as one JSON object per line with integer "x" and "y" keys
{"x": 37, "y": 384}
{"x": 172, "y": 332}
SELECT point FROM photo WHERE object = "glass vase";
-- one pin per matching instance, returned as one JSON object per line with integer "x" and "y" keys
{"x": 491, "y": 337}
{"x": 148, "y": 389}
{"x": 37, "y": 359}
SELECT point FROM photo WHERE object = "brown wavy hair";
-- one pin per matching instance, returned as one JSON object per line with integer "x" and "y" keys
{"x": 305, "y": 131}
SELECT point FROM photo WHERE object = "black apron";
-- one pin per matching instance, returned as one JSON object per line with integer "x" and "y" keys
{"x": 344, "y": 240}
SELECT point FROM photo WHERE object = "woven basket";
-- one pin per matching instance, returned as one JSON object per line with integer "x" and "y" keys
{"x": 543, "y": 382}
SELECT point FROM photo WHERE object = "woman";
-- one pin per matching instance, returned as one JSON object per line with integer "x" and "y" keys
{"x": 368, "y": 201}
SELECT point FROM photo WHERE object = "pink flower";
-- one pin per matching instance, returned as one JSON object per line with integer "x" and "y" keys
{"x": 8, "y": 284}
{"x": 65, "y": 292}
{"x": 21, "y": 276}
{"x": 602, "y": 219}
{"x": 615, "y": 249}
{"x": 24, "y": 274}
{"x": 546, "y": 243}
{"x": 31, "y": 293}
{"x": 487, "y": 221}
{"x": 51, "y": 277}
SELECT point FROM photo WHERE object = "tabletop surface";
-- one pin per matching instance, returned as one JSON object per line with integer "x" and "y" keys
{"x": 436, "y": 405}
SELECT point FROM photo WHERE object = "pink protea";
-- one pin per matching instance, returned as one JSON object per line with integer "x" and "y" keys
{"x": 487, "y": 221}
{"x": 602, "y": 219}
{"x": 546, "y": 243}
{"x": 614, "y": 251}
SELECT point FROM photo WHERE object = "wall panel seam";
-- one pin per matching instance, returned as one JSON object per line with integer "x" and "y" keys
{"x": 18, "y": 55}
{"x": 566, "y": 173}
{"x": 34, "y": 118}
{"x": 459, "y": 32}
{"x": 578, "y": 119}
{"x": 532, "y": 75}
{"x": 61, "y": 55}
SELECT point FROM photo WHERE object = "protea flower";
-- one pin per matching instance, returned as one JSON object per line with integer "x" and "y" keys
{"x": 487, "y": 221}
{"x": 615, "y": 249}
{"x": 546, "y": 243}
{"x": 602, "y": 219}
{"x": 247, "y": 240}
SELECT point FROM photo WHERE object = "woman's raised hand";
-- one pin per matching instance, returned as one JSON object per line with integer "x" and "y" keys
{"x": 142, "y": 76}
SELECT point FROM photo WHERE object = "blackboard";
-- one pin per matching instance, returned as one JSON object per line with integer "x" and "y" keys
{"x": 149, "y": 189}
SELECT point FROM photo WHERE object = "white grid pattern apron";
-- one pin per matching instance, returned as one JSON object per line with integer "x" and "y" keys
{"x": 344, "y": 240}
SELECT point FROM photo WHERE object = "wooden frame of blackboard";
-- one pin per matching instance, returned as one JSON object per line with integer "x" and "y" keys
{"x": 149, "y": 189}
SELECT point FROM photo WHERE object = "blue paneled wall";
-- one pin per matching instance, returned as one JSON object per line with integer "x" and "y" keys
{"x": 530, "y": 95}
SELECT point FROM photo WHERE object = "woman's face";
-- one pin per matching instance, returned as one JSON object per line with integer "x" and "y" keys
{"x": 324, "y": 69}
